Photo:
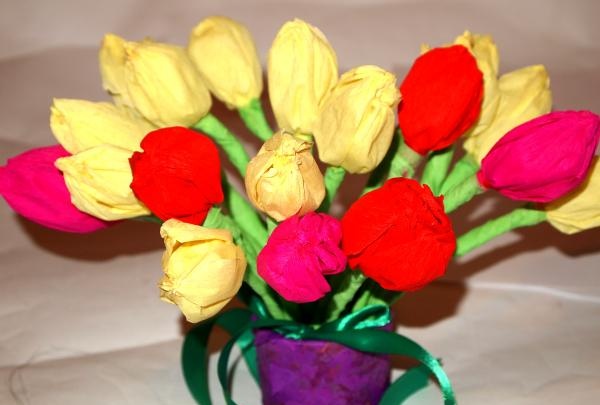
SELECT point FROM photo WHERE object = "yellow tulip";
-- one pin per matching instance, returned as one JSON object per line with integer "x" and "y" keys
{"x": 158, "y": 80}
{"x": 203, "y": 269}
{"x": 224, "y": 52}
{"x": 302, "y": 69}
{"x": 283, "y": 179}
{"x": 79, "y": 125}
{"x": 524, "y": 95}
{"x": 356, "y": 123}
{"x": 580, "y": 209}
{"x": 98, "y": 180}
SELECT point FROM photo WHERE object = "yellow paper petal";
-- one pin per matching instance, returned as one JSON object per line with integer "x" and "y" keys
{"x": 302, "y": 69}
{"x": 580, "y": 209}
{"x": 79, "y": 125}
{"x": 98, "y": 180}
{"x": 356, "y": 123}
{"x": 224, "y": 52}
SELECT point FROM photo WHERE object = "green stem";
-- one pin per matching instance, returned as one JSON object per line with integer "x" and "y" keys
{"x": 518, "y": 218}
{"x": 462, "y": 194}
{"x": 464, "y": 167}
{"x": 333, "y": 179}
{"x": 436, "y": 169}
{"x": 216, "y": 219}
{"x": 404, "y": 162}
{"x": 253, "y": 116}
{"x": 244, "y": 214}
{"x": 339, "y": 298}
{"x": 211, "y": 126}
{"x": 378, "y": 175}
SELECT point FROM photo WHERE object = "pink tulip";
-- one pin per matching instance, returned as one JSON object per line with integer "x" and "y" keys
{"x": 299, "y": 252}
{"x": 34, "y": 188}
{"x": 542, "y": 159}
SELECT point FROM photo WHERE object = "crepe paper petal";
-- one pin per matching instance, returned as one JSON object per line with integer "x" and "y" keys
{"x": 178, "y": 174}
{"x": 580, "y": 209}
{"x": 356, "y": 123}
{"x": 542, "y": 159}
{"x": 35, "y": 189}
{"x": 299, "y": 252}
{"x": 441, "y": 98}
{"x": 301, "y": 70}
{"x": 203, "y": 269}
{"x": 224, "y": 53}
{"x": 283, "y": 179}
{"x": 158, "y": 80}
{"x": 399, "y": 235}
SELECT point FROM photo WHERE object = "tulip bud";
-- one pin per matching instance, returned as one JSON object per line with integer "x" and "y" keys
{"x": 580, "y": 209}
{"x": 524, "y": 95}
{"x": 542, "y": 159}
{"x": 302, "y": 69}
{"x": 203, "y": 269}
{"x": 98, "y": 180}
{"x": 79, "y": 125}
{"x": 159, "y": 80}
{"x": 441, "y": 98}
{"x": 35, "y": 189}
{"x": 283, "y": 179}
{"x": 356, "y": 124}
{"x": 224, "y": 52}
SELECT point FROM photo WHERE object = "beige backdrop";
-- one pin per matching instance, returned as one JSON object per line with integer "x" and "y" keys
{"x": 517, "y": 322}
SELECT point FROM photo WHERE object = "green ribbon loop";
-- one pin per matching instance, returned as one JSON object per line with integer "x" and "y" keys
{"x": 355, "y": 330}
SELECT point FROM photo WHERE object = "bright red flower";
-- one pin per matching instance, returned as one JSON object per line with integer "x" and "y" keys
{"x": 399, "y": 235}
{"x": 441, "y": 98}
{"x": 178, "y": 174}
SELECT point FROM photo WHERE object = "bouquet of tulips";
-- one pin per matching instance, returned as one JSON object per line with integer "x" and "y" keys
{"x": 153, "y": 153}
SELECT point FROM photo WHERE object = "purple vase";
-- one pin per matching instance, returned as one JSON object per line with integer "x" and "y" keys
{"x": 301, "y": 372}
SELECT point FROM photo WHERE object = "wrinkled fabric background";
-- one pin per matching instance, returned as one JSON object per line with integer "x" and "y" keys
{"x": 516, "y": 322}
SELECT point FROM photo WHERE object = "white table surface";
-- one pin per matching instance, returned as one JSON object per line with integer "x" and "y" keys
{"x": 517, "y": 322}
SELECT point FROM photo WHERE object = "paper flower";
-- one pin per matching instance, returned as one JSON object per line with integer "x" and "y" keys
{"x": 580, "y": 209}
{"x": 524, "y": 94}
{"x": 441, "y": 98}
{"x": 98, "y": 180}
{"x": 203, "y": 269}
{"x": 158, "y": 80}
{"x": 178, "y": 174}
{"x": 544, "y": 158}
{"x": 302, "y": 69}
{"x": 299, "y": 252}
{"x": 35, "y": 189}
{"x": 283, "y": 179}
{"x": 399, "y": 235}
{"x": 79, "y": 125}
{"x": 356, "y": 123}
{"x": 224, "y": 52}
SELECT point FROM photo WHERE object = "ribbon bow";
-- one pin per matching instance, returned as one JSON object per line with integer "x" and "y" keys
{"x": 356, "y": 330}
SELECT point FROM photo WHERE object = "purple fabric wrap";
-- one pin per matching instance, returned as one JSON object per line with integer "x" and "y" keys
{"x": 301, "y": 372}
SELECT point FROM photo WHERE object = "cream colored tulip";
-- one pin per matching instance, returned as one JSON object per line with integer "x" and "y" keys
{"x": 302, "y": 69}
{"x": 524, "y": 95}
{"x": 158, "y": 80}
{"x": 203, "y": 269}
{"x": 580, "y": 209}
{"x": 79, "y": 125}
{"x": 224, "y": 52}
{"x": 98, "y": 180}
{"x": 356, "y": 124}
{"x": 284, "y": 179}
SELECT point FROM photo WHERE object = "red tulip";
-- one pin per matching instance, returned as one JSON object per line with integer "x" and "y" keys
{"x": 441, "y": 98}
{"x": 178, "y": 174}
{"x": 399, "y": 235}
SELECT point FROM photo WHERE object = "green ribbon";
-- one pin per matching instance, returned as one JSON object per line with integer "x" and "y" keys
{"x": 357, "y": 330}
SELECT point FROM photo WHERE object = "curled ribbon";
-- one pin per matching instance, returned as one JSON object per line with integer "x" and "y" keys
{"x": 356, "y": 330}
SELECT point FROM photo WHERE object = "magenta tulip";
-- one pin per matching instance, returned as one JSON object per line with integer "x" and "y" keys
{"x": 542, "y": 159}
{"x": 299, "y": 252}
{"x": 34, "y": 188}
